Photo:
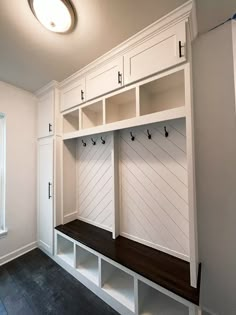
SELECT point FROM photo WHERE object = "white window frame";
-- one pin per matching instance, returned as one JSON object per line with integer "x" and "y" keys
{"x": 3, "y": 230}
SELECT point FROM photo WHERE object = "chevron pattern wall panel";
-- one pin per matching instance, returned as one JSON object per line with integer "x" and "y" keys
{"x": 154, "y": 187}
{"x": 94, "y": 181}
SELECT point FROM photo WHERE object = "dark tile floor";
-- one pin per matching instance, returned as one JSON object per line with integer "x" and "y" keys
{"x": 35, "y": 284}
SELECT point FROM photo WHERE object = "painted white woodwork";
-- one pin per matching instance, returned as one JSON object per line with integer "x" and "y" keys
{"x": 94, "y": 181}
{"x": 69, "y": 180}
{"x": 121, "y": 106}
{"x": 158, "y": 98}
{"x": 181, "y": 14}
{"x": 115, "y": 184}
{"x": 194, "y": 259}
{"x": 156, "y": 53}
{"x": 162, "y": 94}
{"x": 105, "y": 78}
{"x": 73, "y": 94}
{"x": 91, "y": 115}
{"x": 87, "y": 264}
{"x": 150, "y": 301}
{"x": 45, "y": 194}
{"x": 65, "y": 249}
{"x": 129, "y": 123}
{"x": 46, "y": 115}
{"x": 154, "y": 188}
{"x": 71, "y": 121}
{"x": 119, "y": 284}
{"x": 126, "y": 291}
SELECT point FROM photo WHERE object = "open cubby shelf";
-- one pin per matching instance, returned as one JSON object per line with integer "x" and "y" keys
{"x": 87, "y": 264}
{"x": 65, "y": 250}
{"x": 151, "y": 301}
{"x": 153, "y": 100}
{"x": 118, "y": 284}
{"x": 92, "y": 115}
{"x": 121, "y": 106}
{"x": 162, "y": 269}
{"x": 71, "y": 121}
{"x": 162, "y": 94}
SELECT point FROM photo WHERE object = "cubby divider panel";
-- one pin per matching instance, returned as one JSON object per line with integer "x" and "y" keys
{"x": 118, "y": 283}
{"x": 162, "y": 94}
{"x": 87, "y": 264}
{"x": 65, "y": 249}
{"x": 153, "y": 302}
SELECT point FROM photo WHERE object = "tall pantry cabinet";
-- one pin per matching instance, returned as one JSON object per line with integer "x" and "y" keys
{"x": 48, "y": 161}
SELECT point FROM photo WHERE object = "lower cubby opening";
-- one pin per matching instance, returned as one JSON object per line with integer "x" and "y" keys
{"x": 65, "y": 249}
{"x": 153, "y": 302}
{"x": 87, "y": 264}
{"x": 118, "y": 283}
{"x": 169, "y": 272}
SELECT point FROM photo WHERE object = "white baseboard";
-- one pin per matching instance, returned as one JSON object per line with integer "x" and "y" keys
{"x": 70, "y": 217}
{"x": 95, "y": 224}
{"x": 18, "y": 252}
{"x": 156, "y": 246}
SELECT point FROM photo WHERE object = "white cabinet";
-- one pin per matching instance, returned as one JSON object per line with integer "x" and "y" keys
{"x": 46, "y": 115}
{"x": 105, "y": 78}
{"x": 156, "y": 53}
{"x": 73, "y": 94}
{"x": 45, "y": 194}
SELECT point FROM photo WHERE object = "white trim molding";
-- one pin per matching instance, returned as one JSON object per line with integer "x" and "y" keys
{"x": 18, "y": 252}
{"x": 182, "y": 13}
{"x": 3, "y": 233}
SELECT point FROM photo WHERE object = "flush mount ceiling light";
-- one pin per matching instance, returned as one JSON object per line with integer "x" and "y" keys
{"x": 56, "y": 15}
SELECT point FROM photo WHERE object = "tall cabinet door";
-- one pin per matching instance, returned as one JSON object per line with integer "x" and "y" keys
{"x": 46, "y": 115}
{"x": 45, "y": 194}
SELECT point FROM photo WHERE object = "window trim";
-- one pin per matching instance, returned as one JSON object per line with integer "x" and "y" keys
{"x": 3, "y": 229}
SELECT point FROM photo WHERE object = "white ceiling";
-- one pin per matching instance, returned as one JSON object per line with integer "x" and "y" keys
{"x": 31, "y": 56}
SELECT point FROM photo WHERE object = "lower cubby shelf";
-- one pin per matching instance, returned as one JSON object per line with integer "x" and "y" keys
{"x": 108, "y": 275}
{"x": 87, "y": 264}
{"x": 119, "y": 284}
{"x": 153, "y": 302}
{"x": 65, "y": 250}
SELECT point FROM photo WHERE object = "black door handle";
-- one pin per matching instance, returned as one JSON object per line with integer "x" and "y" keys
{"x": 119, "y": 77}
{"x": 50, "y": 127}
{"x": 82, "y": 95}
{"x": 180, "y": 49}
{"x": 49, "y": 191}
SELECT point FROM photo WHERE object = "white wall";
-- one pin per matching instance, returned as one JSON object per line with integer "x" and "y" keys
{"x": 20, "y": 109}
{"x": 215, "y": 130}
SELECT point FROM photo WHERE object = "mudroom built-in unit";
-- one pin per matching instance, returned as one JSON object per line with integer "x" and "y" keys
{"x": 118, "y": 211}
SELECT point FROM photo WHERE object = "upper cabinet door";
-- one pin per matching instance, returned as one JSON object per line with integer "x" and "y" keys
{"x": 105, "y": 78}
{"x": 155, "y": 54}
{"x": 73, "y": 94}
{"x": 46, "y": 115}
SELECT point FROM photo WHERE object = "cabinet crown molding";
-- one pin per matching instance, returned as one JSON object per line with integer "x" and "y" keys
{"x": 47, "y": 88}
{"x": 185, "y": 12}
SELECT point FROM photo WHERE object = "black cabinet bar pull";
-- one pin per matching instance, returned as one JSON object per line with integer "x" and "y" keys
{"x": 50, "y": 127}
{"x": 49, "y": 191}
{"x": 119, "y": 77}
{"x": 180, "y": 49}
{"x": 82, "y": 95}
